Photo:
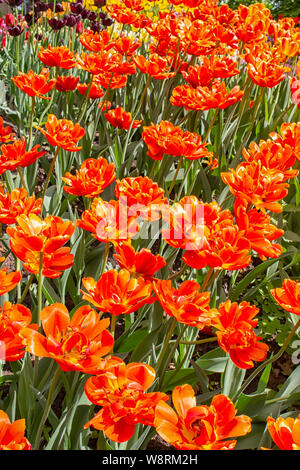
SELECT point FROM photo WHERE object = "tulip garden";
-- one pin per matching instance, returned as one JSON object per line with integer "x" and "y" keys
{"x": 150, "y": 231}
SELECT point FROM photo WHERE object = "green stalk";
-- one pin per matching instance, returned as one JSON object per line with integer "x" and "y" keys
{"x": 39, "y": 291}
{"x": 29, "y": 282}
{"x": 46, "y": 409}
{"x": 175, "y": 176}
{"x": 165, "y": 345}
{"x": 31, "y": 121}
{"x": 50, "y": 172}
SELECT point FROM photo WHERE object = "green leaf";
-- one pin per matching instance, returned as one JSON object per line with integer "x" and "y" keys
{"x": 144, "y": 347}
{"x": 129, "y": 343}
{"x": 232, "y": 379}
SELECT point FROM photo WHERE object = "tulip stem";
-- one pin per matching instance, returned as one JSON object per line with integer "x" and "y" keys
{"x": 47, "y": 408}
{"x": 201, "y": 341}
{"x": 105, "y": 257}
{"x": 268, "y": 361}
{"x": 50, "y": 172}
{"x": 26, "y": 289}
{"x": 175, "y": 176}
{"x": 166, "y": 344}
{"x": 21, "y": 177}
{"x": 39, "y": 291}
{"x": 31, "y": 121}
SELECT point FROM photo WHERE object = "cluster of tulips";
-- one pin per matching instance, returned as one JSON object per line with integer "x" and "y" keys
{"x": 152, "y": 84}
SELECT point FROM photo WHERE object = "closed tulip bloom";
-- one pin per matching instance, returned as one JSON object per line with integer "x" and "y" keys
{"x": 121, "y": 119}
{"x": 12, "y": 319}
{"x": 34, "y": 84}
{"x": 33, "y": 236}
{"x": 14, "y": 155}
{"x": 12, "y": 434}
{"x": 59, "y": 56}
{"x": 235, "y": 325}
{"x": 6, "y": 134}
{"x": 187, "y": 304}
{"x": 66, "y": 83}
{"x": 118, "y": 292}
{"x": 121, "y": 392}
{"x": 77, "y": 344}
{"x": 141, "y": 262}
{"x": 285, "y": 432}
{"x": 17, "y": 203}
{"x": 288, "y": 296}
{"x": 91, "y": 179}
{"x": 203, "y": 427}
{"x": 62, "y": 133}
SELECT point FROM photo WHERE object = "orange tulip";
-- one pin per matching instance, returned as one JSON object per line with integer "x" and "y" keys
{"x": 95, "y": 91}
{"x": 226, "y": 249}
{"x": 258, "y": 230}
{"x": 204, "y": 98}
{"x": 92, "y": 178}
{"x": 187, "y": 304}
{"x": 118, "y": 292}
{"x": 121, "y": 15}
{"x": 274, "y": 157}
{"x": 207, "y": 233}
{"x": 111, "y": 80}
{"x": 34, "y": 84}
{"x": 109, "y": 221}
{"x": 234, "y": 323}
{"x": 285, "y": 432}
{"x": 165, "y": 138}
{"x": 121, "y": 119}
{"x": 121, "y": 393}
{"x": 6, "y": 134}
{"x": 62, "y": 133}
{"x": 264, "y": 67}
{"x": 98, "y": 62}
{"x": 94, "y": 41}
{"x": 142, "y": 195}
{"x": 289, "y": 137}
{"x": 125, "y": 45}
{"x": 14, "y": 155}
{"x": 199, "y": 427}
{"x": 142, "y": 262}
{"x": 288, "y": 296}
{"x": 59, "y": 56}
{"x": 17, "y": 203}
{"x": 33, "y": 237}
{"x": 8, "y": 281}
{"x": 75, "y": 344}
{"x": 257, "y": 185}
{"x": 156, "y": 66}
{"x": 66, "y": 83}
{"x": 12, "y": 319}
{"x": 12, "y": 435}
